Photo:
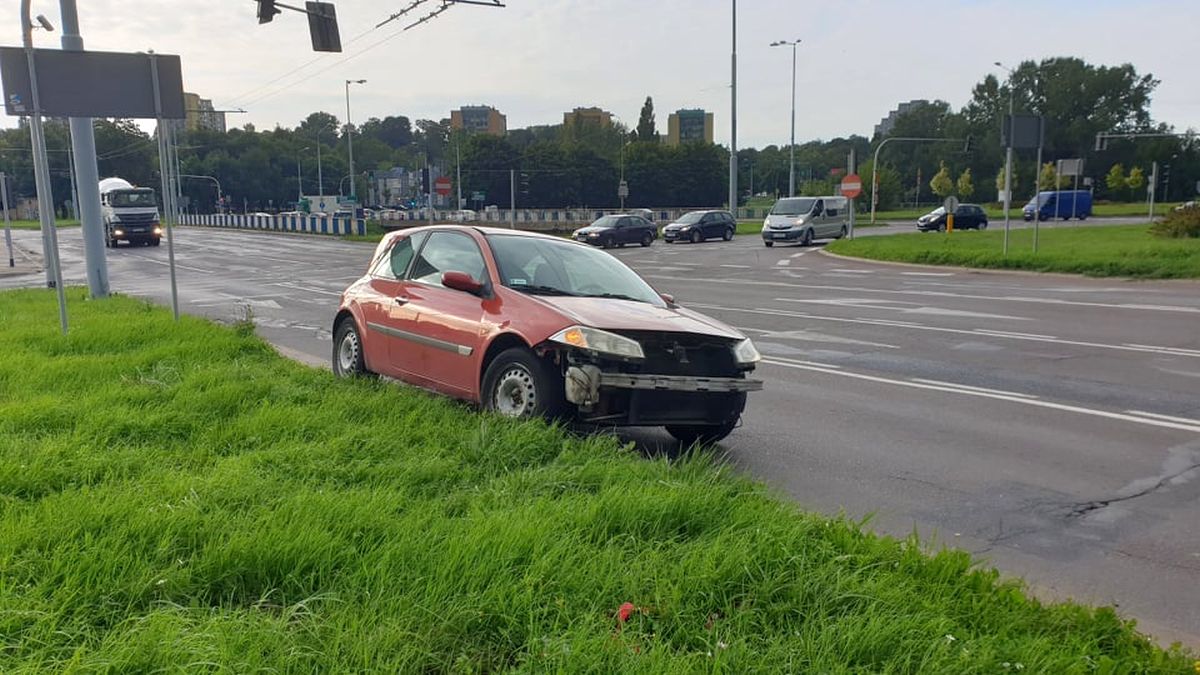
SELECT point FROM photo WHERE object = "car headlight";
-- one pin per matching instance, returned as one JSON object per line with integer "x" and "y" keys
{"x": 766, "y": 225}
{"x": 118, "y": 232}
{"x": 745, "y": 353}
{"x": 157, "y": 230}
{"x": 799, "y": 221}
{"x": 593, "y": 234}
{"x": 593, "y": 339}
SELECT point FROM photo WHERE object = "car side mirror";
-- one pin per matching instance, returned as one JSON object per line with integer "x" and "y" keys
{"x": 461, "y": 281}
{"x": 668, "y": 298}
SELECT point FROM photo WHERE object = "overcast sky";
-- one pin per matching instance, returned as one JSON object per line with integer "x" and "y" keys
{"x": 535, "y": 59}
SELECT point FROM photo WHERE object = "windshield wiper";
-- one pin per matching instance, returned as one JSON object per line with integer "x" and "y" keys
{"x": 542, "y": 290}
{"x": 614, "y": 296}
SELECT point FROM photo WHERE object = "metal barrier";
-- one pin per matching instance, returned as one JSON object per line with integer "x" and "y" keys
{"x": 308, "y": 224}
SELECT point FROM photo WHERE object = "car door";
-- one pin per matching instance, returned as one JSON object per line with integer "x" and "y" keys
{"x": 626, "y": 231}
{"x": 441, "y": 335}
{"x": 384, "y": 308}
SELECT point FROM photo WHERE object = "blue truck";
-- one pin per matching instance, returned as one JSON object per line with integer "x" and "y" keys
{"x": 1065, "y": 204}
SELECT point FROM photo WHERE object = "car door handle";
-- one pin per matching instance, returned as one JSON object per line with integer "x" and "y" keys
{"x": 400, "y": 300}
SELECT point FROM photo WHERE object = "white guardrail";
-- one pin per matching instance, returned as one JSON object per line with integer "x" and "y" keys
{"x": 308, "y": 224}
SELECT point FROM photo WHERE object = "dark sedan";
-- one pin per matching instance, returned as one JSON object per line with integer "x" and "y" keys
{"x": 696, "y": 226}
{"x": 617, "y": 230}
{"x": 966, "y": 217}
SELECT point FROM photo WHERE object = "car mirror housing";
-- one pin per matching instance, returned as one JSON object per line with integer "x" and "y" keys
{"x": 668, "y": 298}
{"x": 461, "y": 281}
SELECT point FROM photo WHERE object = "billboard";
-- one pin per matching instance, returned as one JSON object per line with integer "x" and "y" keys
{"x": 91, "y": 84}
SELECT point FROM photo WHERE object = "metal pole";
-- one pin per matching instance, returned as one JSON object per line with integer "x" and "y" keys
{"x": 458, "y": 172}
{"x": 792, "y": 148}
{"x": 733, "y": 163}
{"x": 875, "y": 177}
{"x": 87, "y": 173}
{"x": 350, "y": 140}
{"x": 320, "y": 175}
{"x": 1057, "y": 181}
{"x": 1008, "y": 166}
{"x": 299, "y": 182}
{"x": 512, "y": 198}
{"x": 1036, "y": 191}
{"x": 850, "y": 170}
{"x": 1153, "y": 188}
{"x": 71, "y": 175}
{"x": 164, "y": 172}
{"x": 7, "y": 221}
{"x": 41, "y": 166}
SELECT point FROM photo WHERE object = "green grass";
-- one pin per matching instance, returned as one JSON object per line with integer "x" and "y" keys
{"x": 1120, "y": 250}
{"x": 175, "y": 496}
{"x": 35, "y": 225}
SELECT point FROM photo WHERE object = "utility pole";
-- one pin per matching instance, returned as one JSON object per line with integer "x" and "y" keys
{"x": 792, "y": 147}
{"x": 7, "y": 221}
{"x": 733, "y": 163}
{"x": 350, "y": 140}
{"x": 512, "y": 198}
{"x": 458, "y": 172}
{"x": 299, "y": 180}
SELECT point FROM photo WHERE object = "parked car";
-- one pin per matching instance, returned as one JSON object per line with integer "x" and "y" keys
{"x": 464, "y": 216}
{"x": 645, "y": 213}
{"x": 696, "y": 226}
{"x": 966, "y": 217}
{"x": 1186, "y": 205}
{"x": 805, "y": 219}
{"x": 617, "y": 230}
{"x": 1065, "y": 204}
{"x": 526, "y": 324}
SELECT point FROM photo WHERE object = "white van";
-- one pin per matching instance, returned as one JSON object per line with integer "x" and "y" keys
{"x": 805, "y": 219}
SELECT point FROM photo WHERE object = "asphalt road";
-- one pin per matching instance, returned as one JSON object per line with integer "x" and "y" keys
{"x": 1049, "y": 424}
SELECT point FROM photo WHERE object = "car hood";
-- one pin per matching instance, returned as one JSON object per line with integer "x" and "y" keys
{"x": 592, "y": 228}
{"x": 678, "y": 226}
{"x": 625, "y": 315}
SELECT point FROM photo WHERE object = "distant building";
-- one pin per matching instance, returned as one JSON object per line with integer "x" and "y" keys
{"x": 480, "y": 118}
{"x": 689, "y": 126}
{"x": 201, "y": 114}
{"x": 582, "y": 116}
{"x": 888, "y": 123}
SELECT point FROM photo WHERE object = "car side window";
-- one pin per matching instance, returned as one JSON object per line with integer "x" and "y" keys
{"x": 832, "y": 210}
{"x": 624, "y": 222}
{"x": 819, "y": 208}
{"x": 395, "y": 262}
{"x": 447, "y": 252}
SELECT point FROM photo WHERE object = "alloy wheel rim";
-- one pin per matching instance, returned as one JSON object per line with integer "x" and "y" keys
{"x": 348, "y": 352}
{"x": 515, "y": 394}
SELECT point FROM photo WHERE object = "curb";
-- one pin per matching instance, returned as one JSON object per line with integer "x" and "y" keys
{"x": 1000, "y": 271}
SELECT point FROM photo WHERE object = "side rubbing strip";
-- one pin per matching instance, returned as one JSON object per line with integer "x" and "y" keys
{"x": 461, "y": 350}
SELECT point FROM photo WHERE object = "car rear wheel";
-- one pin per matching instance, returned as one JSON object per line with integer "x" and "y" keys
{"x": 697, "y": 237}
{"x": 842, "y": 233}
{"x": 982, "y": 226}
{"x": 519, "y": 384}
{"x": 942, "y": 227}
{"x": 647, "y": 239}
{"x": 348, "y": 358}
{"x": 704, "y": 434}
{"x": 728, "y": 234}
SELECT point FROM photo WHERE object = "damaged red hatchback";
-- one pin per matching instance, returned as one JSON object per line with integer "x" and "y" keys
{"x": 527, "y": 324}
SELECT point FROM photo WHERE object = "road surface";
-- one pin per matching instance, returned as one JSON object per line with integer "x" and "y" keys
{"x": 1049, "y": 424}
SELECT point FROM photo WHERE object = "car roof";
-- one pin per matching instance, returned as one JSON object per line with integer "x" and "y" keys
{"x": 469, "y": 228}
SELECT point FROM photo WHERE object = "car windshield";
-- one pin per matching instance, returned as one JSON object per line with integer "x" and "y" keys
{"x": 939, "y": 211}
{"x": 793, "y": 207}
{"x": 692, "y": 217}
{"x": 549, "y": 267}
{"x": 133, "y": 198}
{"x": 606, "y": 221}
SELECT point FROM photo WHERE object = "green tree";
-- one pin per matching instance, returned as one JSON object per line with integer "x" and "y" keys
{"x": 1136, "y": 180}
{"x": 966, "y": 187}
{"x": 941, "y": 183}
{"x": 1050, "y": 180}
{"x": 1115, "y": 180}
{"x": 645, "y": 125}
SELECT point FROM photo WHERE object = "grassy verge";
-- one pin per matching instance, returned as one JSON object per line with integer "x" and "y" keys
{"x": 1122, "y": 250}
{"x": 35, "y": 225}
{"x": 996, "y": 211}
{"x": 175, "y": 495}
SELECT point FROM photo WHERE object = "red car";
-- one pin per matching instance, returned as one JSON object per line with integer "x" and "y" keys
{"x": 527, "y": 324}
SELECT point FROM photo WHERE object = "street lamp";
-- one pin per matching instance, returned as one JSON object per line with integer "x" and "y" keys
{"x": 320, "y": 175}
{"x": 792, "y": 148}
{"x": 213, "y": 179}
{"x": 299, "y": 180}
{"x": 1008, "y": 157}
{"x": 350, "y": 139}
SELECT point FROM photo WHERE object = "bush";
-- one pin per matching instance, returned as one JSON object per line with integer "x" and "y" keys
{"x": 1181, "y": 223}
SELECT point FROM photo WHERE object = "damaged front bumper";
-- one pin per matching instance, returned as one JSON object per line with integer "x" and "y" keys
{"x": 650, "y": 399}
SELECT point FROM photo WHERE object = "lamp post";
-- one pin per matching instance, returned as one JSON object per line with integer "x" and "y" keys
{"x": 320, "y": 175}
{"x": 1008, "y": 157}
{"x": 350, "y": 139}
{"x": 299, "y": 179}
{"x": 792, "y": 147}
{"x": 733, "y": 163}
{"x": 213, "y": 179}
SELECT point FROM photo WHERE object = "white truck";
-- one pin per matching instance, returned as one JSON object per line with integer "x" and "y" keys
{"x": 130, "y": 213}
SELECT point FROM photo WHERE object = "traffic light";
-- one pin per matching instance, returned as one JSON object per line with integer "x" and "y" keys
{"x": 967, "y": 144}
{"x": 1101, "y": 142}
{"x": 323, "y": 26}
{"x": 267, "y": 11}
{"x": 523, "y": 185}
{"x": 425, "y": 181}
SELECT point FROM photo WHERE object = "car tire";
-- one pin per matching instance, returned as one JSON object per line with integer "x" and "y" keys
{"x": 1083, "y": 217}
{"x": 697, "y": 237}
{"x": 728, "y": 234}
{"x": 768, "y": 244}
{"x": 703, "y": 434}
{"x": 843, "y": 233}
{"x": 156, "y": 242}
{"x": 348, "y": 359}
{"x": 942, "y": 227}
{"x": 647, "y": 239}
{"x": 519, "y": 384}
{"x": 807, "y": 238}
{"x": 982, "y": 226}
{"x": 607, "y": 242}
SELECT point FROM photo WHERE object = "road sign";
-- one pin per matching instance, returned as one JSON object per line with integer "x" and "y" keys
{"x": 851, "y": 186}
{"x": 1070, "y": 167}
{"x": 478, "y": 196}
{"x": 951, "y": 204}
{"x": 442, "y": 185}
{"x": 623, "y": 190}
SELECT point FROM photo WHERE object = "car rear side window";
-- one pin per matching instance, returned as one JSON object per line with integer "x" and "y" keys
{"x": 447, "y": 252}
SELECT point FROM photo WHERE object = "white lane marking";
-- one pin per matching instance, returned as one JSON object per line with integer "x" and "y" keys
{"x": 178, "y": 266}
{"x": 802, "y": 362}
{"x": 1166, "y": 424}
{"x": 944, "y": 294}
{"x": 972, "y": 388}
{"x": 737, "y": 267}
{"x": 797, "y": 255}
{"x": 783, "y": 263}
{"x": 933, "y": 311}
{"x": 1181, "y": 350}
{"x": 927, "y": 274}
{"x": 1169, "y": 418}
{"x": 939, "y": 329}
{"x": 309, "y": 289}
{"x": 1009, "y": 333}
{"x": 843, "y": 270}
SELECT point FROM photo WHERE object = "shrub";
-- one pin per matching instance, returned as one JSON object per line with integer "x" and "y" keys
{"x": 1180, "y": 223}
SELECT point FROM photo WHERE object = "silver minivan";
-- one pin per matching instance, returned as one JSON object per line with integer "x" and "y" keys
{"x": 805, "y": 219}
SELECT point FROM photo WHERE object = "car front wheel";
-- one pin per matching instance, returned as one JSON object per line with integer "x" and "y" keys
{"x": 704, "y": 434}
{"x": 348, "y": 360}
{"x": 519, "y": 384}
{"x": 697, "y": 237}
{"x": 728, "y": 234}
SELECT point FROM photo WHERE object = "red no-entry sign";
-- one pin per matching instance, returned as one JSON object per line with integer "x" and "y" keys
{"x": 851, "y": 186}
{"x": 442, "y": 185}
